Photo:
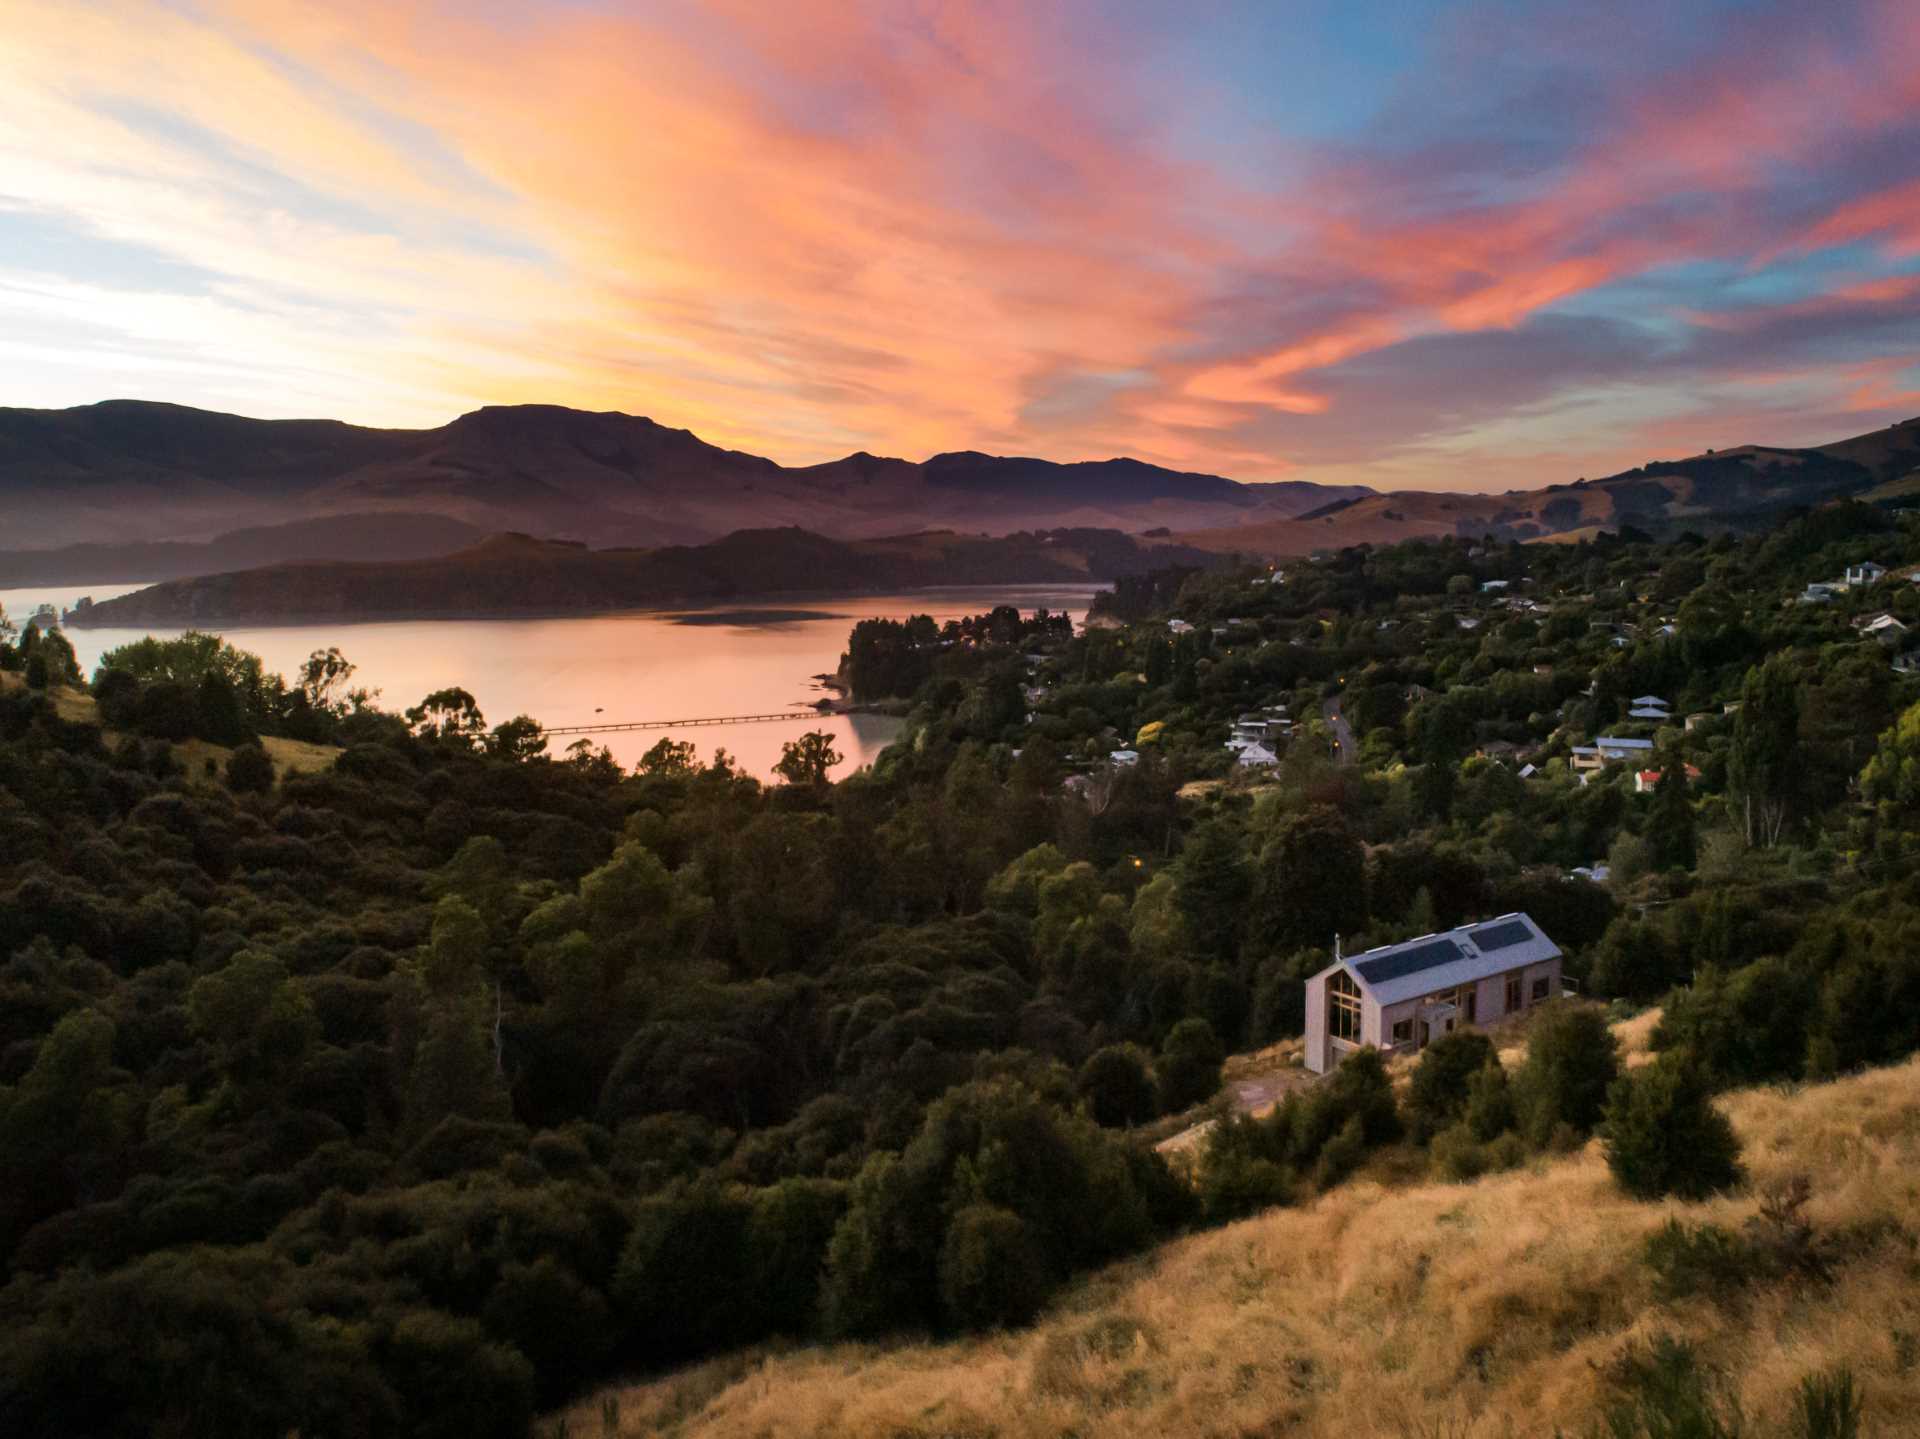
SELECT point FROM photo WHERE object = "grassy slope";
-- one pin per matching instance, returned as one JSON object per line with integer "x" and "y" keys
{"x": 289, "y": 756}
{"x": 1486, "y": 1309}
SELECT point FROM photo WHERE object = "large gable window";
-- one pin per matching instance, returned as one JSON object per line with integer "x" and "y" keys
{"x": 1343, "y": 1007}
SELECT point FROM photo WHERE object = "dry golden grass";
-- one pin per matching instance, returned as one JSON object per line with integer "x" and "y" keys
{"x": 1491, "y": 1308}
{"x": 289, "y": 756}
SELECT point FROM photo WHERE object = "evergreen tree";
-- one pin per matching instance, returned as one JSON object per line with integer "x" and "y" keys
{"x": 1670, "y": 827}
{"x": 1664, "y": 1136}
{"x": 1764, "y": 766}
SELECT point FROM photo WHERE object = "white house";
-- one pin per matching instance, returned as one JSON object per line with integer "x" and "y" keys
{"x": 1179, "y": 627}
{"x": 1866, "y": 573}
{"x": 1256, "y": 756}
{"x": 1489, "y": 587}
{"x": 1400, "y": 997}
{"x": 1647, "y": 780}
{"x": 1817, "y": 594}
{"x": 1124, "y": 758}
{"x": 1884, "y": 628}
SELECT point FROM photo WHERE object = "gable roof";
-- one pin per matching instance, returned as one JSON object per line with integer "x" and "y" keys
{"x": 1414, "y": 967}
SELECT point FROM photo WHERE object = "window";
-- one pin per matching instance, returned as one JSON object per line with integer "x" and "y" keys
{"x": 1513, "y": 993}
{"x": 1343, "y": 1008}
{"x": 1471, "y": 994}
{"x": 1540, "y": 988}
{"x": 1403, "y": 1031}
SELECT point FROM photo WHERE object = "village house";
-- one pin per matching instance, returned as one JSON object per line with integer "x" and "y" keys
{"x": 1645, "y": 781}
{"x": 1179, "y": 627}
{"x": 1883, "y": 627}
{"x": 1400, "y": 997}
{"x": 1606, "y": 750}
{"x": 1651, "y": 707}
{"x": 1865, "y": 573}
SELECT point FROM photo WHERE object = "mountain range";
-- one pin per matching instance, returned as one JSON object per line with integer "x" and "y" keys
{"x": 133, "y": 491}
{"x": 128, "y": 470}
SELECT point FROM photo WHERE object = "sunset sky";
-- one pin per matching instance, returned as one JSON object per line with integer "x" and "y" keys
{"x": 1442, "y": 245}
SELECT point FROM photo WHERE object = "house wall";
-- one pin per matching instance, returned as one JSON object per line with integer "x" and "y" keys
{"x": 1317, "y": 1024}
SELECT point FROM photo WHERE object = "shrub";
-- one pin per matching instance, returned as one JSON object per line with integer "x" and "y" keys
{"x": 1438, "y": 1093}
{"x": 1116, "y": 1086}
{"x": 1490, "y": 1111}
{"x": 1572, "y": 1058}
{"x": 1667, "y": 1393}
{"x": 1703, "y": 1260}
{"x": 1827, "y": 1406}
{"x": 992, "y": 1271}
{"x": 680, "y": 1280}
{"x": 1189, "y": 1067}
{"x": 249, "y": 771}
{"x": 1665, "y": 1137}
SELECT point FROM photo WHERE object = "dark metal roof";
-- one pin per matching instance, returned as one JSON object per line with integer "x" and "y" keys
{"x": 1500, "y": 936}
{"x": 1408, "y": 961}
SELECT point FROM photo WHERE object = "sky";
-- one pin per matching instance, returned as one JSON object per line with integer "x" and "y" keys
{"x": 1483, "y": 245}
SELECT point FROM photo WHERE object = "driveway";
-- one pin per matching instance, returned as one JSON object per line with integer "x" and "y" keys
{"x": 1343, "y": 742}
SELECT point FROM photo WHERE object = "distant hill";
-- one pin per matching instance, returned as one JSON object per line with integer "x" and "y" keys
{"x": 396, "y": 536}
{"x": 1720, "y": 487}
{"x": 128, "y": 470}
{"x": 516, "y": 574}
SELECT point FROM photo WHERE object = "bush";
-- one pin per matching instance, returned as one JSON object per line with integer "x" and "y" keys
{"x": 1665, "y": 1137}
{"x": 1188, "y": 1071}
{"x": 1116, "y": 1086}
{"x": 545, "y": 1312}
{"x": 249, "y": 770}
{"x": 1490, "y": 1112}
{"x": 1572, "y": 1058}
{"x": 681, "y": 1281}
{"x": 1698, "y": 1260}
{"x": 1439, "y": 1091}
{"x": 1459, "y": 1155}
{"x": 992, "y": 1272}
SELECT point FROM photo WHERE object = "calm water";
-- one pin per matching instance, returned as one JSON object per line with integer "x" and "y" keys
{"x": 745, "y": 659}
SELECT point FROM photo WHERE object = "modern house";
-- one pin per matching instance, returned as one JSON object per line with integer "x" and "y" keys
{"x": 1884, "y": 628}
{"x": 1400, "y": 997}
{"x": 1607, "y": 750}
{"x": 1866, "y": 573}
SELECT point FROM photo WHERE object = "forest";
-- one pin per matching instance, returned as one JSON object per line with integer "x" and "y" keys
{"x": 415, "y": 1091}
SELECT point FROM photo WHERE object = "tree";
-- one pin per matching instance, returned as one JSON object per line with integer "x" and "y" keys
{"x": 1311, "y": 882}
{"x": 1764, "y": 767}
{"x": 1572, "y": 1057}
{"x": 1439, "y": 1090}
{"x": 1188, "y": 1070}
{"x": 1116, "y": 1086}
{"x": 518, "y": 739}
{"x": 992, "y": 1271}
{"x": 1670, "y": 827}
{"x": 669, "y": 759}
{"x": 804, "y": 762}
{"x": 1214, "y": 885}
{"x": 1664, "y": 1136}
{"x": 1892, "y": 777}
{"x": 449, "y": 715}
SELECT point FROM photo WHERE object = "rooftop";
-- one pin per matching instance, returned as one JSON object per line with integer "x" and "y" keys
{"x": 1395, "y": 972}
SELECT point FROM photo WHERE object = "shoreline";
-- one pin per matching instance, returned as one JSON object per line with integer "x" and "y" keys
{"x": 666, "y": 606}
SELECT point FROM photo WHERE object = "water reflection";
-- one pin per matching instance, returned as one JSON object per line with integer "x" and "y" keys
{"x": 685, "y": 664}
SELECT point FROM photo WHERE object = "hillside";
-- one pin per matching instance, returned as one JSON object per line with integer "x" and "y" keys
{"x": 1486, "y": 1309}
{"x": 516, "y": 574}
{"x": 127, "y": 470}
{"x": 393, "y": 536}
{"x": 1745, "y": 482}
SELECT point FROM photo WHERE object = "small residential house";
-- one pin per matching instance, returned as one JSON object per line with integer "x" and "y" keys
{"x": 1607, "y": 750}
{"x": 1645, "y": 781}
{"x": 1884, "y": 628}
{"x": 1256, "y": 756}
{"x": 1817, "y": 594}
{"x": 1491, "y": 587}
{"x": 1124, "y": 758}
{"x": 1400, "y": 997}
{"x": 1179, "y": 627}
{"x": 1865, "y": 573}
{"x": 1651, "y": 707}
